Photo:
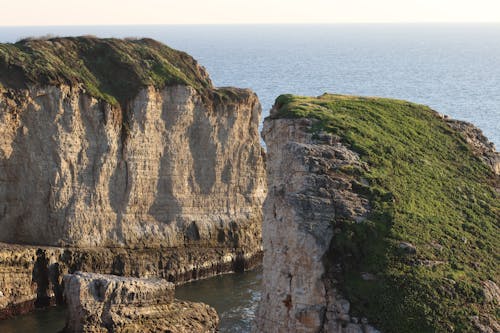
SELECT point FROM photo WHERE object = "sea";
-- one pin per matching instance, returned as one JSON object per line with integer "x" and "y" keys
{"x": 453, "y": 68}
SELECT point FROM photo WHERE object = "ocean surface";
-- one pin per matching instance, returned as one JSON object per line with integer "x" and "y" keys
{"x": 453, "y": 68}
{"x": 234, "y": 296}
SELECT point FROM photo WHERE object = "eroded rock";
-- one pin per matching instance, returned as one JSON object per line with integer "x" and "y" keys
{"x": 345, "y": 234}
{"x": 491, "y": 292}
{"x": 480, "y": 145}
{"x": 306, "y": 192}
{"x": 107, "y": 303}
{"x": 153, "y": 176}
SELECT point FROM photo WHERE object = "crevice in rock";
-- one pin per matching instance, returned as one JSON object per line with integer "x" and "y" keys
{"x": 55, "y": 279}
{"x": 192, "y": 232}
{"x": 239, "y": 263}
{"x": 40, "y": 277}
{"x": 118, "y": 267}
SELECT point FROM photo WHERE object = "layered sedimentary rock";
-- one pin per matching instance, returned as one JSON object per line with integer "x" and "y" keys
{"x": 305, "y": 193}
{"x": 381, "y": 215}
{"x": 108, "y": 303}
{"x": 124, "y": 153}
{"x": 180, "y": 173}
{"x": 32, "y": 276}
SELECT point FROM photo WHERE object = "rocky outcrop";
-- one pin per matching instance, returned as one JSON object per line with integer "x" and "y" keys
{"x": 32, "y": 276}
{"x": 121, "y": 157}
{"x": 108, "y": 303}
{"x": 381, "y": 215}
{"x": 480, "y": 145}
{"x": 305, "y": 193}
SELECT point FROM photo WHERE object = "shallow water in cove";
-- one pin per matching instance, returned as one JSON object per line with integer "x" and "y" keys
{"x": 49, "y": 320}
{"x": 234, "y": 296}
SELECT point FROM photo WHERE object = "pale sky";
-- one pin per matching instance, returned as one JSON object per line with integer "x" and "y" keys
{"x": 110, "y": 12}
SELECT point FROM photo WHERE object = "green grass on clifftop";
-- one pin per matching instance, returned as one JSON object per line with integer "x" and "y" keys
{"x": 110, "y": 69}
{"x": 426, "y": 188}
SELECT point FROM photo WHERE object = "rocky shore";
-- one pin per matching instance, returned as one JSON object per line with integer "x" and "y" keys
{"x": 109, "y": 303}
{"x": 33, "y": 276}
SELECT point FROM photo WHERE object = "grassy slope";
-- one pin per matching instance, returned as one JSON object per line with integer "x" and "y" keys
{"x": 110, "y": 69}
{"x": 425, "y": 188}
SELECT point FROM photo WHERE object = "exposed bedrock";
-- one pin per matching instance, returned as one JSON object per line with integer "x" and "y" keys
{"x": 305, "y": 193}
{"x": 480, "y": 145}
{"x": 121, "y": 157}
{"x": 74, "y": 173}
{"x": 31, "y": 276}
{"x": 108, "y": 303}
{"x": 381, "y": 215}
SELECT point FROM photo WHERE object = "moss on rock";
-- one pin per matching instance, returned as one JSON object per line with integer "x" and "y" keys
{"x": 111, "y": 69}
{"x": 428, "y": 193}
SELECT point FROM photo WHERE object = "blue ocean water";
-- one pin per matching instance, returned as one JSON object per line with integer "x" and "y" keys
{"x": 454, "y": 68}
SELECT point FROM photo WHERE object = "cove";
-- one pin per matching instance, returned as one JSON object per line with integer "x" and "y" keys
{"x": 234, "y": 296}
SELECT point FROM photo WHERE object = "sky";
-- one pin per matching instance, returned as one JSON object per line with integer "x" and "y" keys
{"x": 115, "y": 12}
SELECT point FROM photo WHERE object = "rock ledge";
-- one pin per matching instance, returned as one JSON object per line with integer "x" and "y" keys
{"x": 108, "y": 303}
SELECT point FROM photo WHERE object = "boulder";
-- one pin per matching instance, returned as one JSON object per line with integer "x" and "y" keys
{"x": 108, "y": 303}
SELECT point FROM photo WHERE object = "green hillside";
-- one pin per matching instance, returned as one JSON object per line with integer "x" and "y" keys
{"x": 426, "y": 188}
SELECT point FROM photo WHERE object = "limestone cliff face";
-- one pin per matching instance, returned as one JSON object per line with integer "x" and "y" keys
{"x": 305, "y": 194}
{"x": 121, "y": 157}
{"x": 74, "y": 173}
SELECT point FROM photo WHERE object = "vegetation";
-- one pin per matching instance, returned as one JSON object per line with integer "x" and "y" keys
{"x": 113, "y": 70}
{"x": 427, "y": 189}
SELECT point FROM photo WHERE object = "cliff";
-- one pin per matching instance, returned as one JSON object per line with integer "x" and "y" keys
{"x": 123, "y": 153}
{"x": 382, "y": 215}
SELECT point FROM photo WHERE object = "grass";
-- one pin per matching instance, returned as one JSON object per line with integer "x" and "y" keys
{"x": 112, "y": 70}
{"x": 426, "y": 188}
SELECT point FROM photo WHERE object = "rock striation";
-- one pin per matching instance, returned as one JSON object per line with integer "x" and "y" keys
{"x": 381, "y": 215}
{"x": 33, "y": 276}
{"x": 108, "y": 303}
{"x": 183, "y": 174}
{"x": 305, "y": 193}
{"x": 121, "y": 157}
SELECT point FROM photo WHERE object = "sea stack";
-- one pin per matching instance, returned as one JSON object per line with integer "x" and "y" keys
{"x": 121, "y": 157}
{"x": 381, "y": 216}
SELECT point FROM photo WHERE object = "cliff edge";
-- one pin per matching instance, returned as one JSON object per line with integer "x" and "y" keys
{"x": 382, "y": 215}
{"x": 119, "y": 156}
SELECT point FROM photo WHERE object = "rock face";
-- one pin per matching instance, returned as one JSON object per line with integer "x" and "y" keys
{"x": 182, "y": 174}
{"x": 381, "y": 215}
{"x": 32, "y": 276}
{"x": 107, "y": 303}
{"x": 305, "y": 193}
{"x": 123, "y": 153}
{"x": 479, "y": 144}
